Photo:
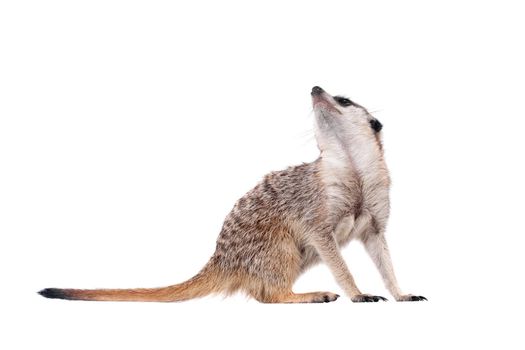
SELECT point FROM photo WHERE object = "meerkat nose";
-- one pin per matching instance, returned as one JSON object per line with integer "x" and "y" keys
{"x": 316, "y": 90}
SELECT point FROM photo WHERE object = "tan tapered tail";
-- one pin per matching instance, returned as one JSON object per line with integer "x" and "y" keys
{"x": 205, "y": 282}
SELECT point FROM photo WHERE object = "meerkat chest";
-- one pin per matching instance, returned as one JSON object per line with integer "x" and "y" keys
{"x": 358, "y": 203}
{"x": 357, "y": 192}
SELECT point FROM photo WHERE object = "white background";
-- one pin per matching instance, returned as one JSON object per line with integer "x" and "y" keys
{"x": 128, "y": 130}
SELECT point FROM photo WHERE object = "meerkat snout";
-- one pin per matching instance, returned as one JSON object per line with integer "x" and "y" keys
{"x": 316, "y": 90}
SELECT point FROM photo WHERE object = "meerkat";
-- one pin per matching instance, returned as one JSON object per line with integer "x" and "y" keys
{"x": 295, "y": 218}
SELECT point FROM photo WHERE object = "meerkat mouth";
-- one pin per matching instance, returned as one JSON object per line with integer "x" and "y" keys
{"x": 322, "y": 101}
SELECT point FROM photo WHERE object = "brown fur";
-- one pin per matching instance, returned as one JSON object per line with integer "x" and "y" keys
{"x": 294, "y": 218}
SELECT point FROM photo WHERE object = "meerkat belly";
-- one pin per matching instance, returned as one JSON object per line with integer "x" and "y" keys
{"x": 350, "y": 227}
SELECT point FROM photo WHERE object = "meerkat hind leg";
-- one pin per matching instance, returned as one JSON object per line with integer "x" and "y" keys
{"x": 294, "y": 298}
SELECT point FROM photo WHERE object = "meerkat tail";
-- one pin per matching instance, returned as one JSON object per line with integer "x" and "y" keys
{"x": 202, "y": 284}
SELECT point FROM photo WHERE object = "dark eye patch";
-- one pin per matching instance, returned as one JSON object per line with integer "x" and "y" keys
{"x": 376, "y": 125}
{"x": 343, "y": 101}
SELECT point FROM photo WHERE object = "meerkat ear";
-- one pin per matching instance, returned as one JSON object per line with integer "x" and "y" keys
{"x": 376, "y": 125}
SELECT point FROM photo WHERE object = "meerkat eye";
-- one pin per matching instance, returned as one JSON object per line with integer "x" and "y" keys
{"x": 343, "y": 101}
{"x": 376, "y": 125}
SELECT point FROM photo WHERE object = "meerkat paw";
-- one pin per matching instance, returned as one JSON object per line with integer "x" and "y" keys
{"x": 367, "y": 298}
{"x": 410, "y": 297}
{"x": 324, "y": 297}
{"x": 313, "y": 297}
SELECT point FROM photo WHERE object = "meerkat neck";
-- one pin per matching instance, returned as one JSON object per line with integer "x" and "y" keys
{"x": 361, "y": 162}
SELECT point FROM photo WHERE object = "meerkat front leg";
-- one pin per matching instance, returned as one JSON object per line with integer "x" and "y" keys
{"x": 327, "y": 248}
{"x": 377, "y": 248}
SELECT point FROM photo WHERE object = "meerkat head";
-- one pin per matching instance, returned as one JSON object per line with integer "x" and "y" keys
{"x": 341, "y": 123}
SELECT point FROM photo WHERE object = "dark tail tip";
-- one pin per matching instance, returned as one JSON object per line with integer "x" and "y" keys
{"x": 54, "y": 293}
